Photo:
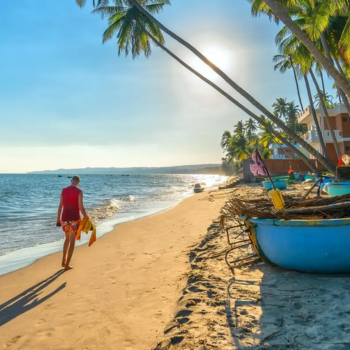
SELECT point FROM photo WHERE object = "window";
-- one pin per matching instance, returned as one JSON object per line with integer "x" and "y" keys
{"x": 347, "y": 148}
{"x": 345, "y": 119}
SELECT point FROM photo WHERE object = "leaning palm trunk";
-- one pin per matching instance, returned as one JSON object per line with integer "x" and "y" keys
{"x": 297, "y": 84}
{"x": 260, "y": 120}
{"x": 325, "y": 111}
{"x": 283, "y": 15}
{"x": 326, "y": 162}
{"x": 340, "y": 91}
{"x": 322, "y": 80}
{"x": 314, "y": 116}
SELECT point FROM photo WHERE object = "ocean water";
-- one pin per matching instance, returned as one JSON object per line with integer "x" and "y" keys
{"x": 28, "y": 208}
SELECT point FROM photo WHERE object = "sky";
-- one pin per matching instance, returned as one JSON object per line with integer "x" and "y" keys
{"x": 69, "y": 101}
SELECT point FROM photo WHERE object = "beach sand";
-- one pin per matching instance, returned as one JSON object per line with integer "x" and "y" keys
{"x": 162, "y": 283}
{"x": 121, "y": 293}
{"x": 259, "y": 307}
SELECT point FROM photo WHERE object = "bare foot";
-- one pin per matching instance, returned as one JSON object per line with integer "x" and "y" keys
{"x": 63, "y": 263}
{"x": 68, "y": 267}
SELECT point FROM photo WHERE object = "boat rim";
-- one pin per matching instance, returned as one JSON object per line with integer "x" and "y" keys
{"x": 306, "y": 223}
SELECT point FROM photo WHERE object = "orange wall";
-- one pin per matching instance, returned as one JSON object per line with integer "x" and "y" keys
{"x": 331, "y": 151}
{"x": 281, "y": 166}
{"x": 343, "y": 126}
{"x": 333, "y": 123}
{"x": 343, "y": 146}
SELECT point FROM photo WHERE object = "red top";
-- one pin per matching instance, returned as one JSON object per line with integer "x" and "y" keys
{"x": 70, "y": 201}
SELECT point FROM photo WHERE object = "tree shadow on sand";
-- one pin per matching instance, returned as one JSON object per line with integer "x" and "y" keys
{"x": 28, "y": 299}
{"x": 296, "y": 310}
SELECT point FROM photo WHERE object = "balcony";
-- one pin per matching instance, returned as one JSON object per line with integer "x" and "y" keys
{"x": 278, "y": 156}
{"x": 305, "y": 116}
{"x": 313, "y": 137}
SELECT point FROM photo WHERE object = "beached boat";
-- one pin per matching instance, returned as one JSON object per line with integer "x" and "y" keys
{"x": 338, "y": 188}
{"x": 288, "y": 178}
{"x": 320, "y": 246}
{"x": 326, "y": 180}
{"x": 280, "y": 184}
{"x": 299, "y": 176}
{"x": 309, "y": 177}
{"x": 198, "y": 188}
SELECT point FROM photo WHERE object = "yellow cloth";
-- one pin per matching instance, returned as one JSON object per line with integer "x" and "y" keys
{"x": 87, "y": 225}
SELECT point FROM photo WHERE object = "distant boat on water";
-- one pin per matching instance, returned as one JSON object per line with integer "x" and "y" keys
{"x": 198, "y": 188}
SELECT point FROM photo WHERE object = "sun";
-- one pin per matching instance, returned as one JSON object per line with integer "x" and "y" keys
{"x": 219, "y": 56}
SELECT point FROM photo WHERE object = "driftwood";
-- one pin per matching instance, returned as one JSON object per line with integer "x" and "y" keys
{"x": 309, "y": 209}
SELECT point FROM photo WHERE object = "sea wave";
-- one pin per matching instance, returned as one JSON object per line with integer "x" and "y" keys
{"x": 109, "y": 208}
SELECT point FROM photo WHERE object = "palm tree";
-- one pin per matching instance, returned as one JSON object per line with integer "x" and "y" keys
{"x": 240, "y": 148}
{"x": 290, "y": 45}
{"x": 327, "y": 99}
{"x": 302, "y": 57}
{"x": 283, "y": 63}
{"x": 292, "y": 111}
{"x": 114, "y": 10}
{"x": 323, "y": 103}
{"x": 282, "y": 14}
{"x": 265, "y": 153}
{"x": 225, "y": 139}
{"x": 326, "y": 162}
{"x": 239, "y": 128}
{"x": 280, "y": 108}
{"x": 318, "y": 19}
{"x": 250, "y": 128}
{"x": 266, "y": 138}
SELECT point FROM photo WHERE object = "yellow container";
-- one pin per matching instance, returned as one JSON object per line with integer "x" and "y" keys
{"x": 277, "y": 199}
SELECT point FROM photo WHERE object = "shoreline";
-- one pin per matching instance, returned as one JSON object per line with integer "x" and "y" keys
{"x": 127, "y": 277}
{"x": 24, "y": 257}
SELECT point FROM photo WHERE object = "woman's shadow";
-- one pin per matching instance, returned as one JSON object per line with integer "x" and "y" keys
{"x": 28, "y": 299}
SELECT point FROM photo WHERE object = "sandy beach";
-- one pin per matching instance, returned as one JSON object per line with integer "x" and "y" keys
{"x": 162, "y": 283}
{"x": 259, "y": 307}
{"x": 121, "y": 293}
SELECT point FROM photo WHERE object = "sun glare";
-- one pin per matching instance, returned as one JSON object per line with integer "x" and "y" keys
{"x": 220, "y": 57}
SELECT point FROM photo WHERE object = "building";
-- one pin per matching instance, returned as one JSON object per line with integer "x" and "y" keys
{"x": 340, "y": 122}
{"x": 281, "y": 151}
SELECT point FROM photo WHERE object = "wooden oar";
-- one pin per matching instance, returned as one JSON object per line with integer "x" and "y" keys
{"x": 310, "y": 189}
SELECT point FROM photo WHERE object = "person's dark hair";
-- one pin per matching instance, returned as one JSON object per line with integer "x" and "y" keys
{"x": 76, "y": 178}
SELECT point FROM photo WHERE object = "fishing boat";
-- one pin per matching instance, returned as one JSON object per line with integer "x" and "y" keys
{"x": 318, "y": 246}
{"x": 288, "y": 178}
{"x": 310, "y": 177}
{"x": 280, "y": 184}
{"x": 299, "y": 176}
{"x": 338, "y": 188}
{"x": 198, "y": 188}
{"x": 326, "y": 180}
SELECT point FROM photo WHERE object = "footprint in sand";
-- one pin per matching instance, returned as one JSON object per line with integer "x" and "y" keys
{"x": 42, "y": 320}
{"x": 183, "y": 313}
{"x": 12, "y": 341}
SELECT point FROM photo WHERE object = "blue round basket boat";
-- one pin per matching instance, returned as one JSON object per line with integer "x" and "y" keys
{"x": 338, "y": 189}
{"x": 299, "y": 176}
{"x": 310, "y": 177}
{"x": 319, "y": 246}
{"x": 325, "y": 181}
{"x": 280, "y": 184}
